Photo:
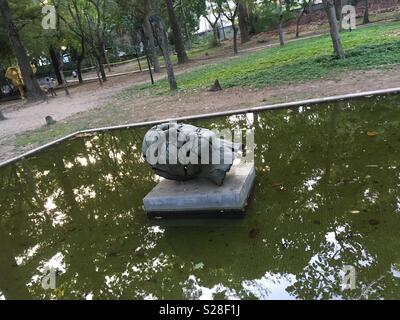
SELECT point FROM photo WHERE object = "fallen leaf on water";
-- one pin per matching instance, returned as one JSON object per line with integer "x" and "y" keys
{"x": 280, "y": 186}
{"x": 253, "y": 233}
{"x": 198, "y": 266}
{"x": 355, "y": 211}
{"x": 372, "y": 133}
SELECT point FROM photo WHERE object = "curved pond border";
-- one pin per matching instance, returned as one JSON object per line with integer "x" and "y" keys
{"x": 211, "y": 115}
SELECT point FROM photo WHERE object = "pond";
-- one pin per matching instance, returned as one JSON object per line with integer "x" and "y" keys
{"x": 327, "y": 195}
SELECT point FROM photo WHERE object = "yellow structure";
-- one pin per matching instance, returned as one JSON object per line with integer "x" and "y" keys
{"x": 15, "y": 76}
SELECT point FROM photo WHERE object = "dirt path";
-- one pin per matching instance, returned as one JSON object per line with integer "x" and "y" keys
{"x": 202, "y": 102}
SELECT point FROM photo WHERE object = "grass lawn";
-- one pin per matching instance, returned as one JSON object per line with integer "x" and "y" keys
{"x": 309, "y": 59}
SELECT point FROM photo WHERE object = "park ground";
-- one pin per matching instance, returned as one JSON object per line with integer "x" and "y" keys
{"x": 262, "y": 73}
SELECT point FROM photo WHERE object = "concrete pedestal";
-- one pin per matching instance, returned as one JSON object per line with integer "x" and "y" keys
{"x": 201, "y": 198}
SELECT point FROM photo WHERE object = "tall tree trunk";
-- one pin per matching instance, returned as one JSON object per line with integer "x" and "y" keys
{"x": 334, "y": 29}
{"x": 187, "y": 33}
{"x": 33, "y": 90}
{"x": 61, "y": 70}
{"x": 338, "y": 12}
{"x": 178, "y": 39}
{"x": 96, "y": 65}
{"x": 235, "y": 32}
{"x": 55, "y": 63}
{"x": 101, "y": 69}
{"x": 366, "y": 13}
{"x": 298, "y": 22}
{"x": 79, "y": 68}
{"x": 79, "y": 60}
{"x": 280, "y": 30}
{"x": 223, "y": 29}
{"x": 243, "y": 23}
{"x": 164, "y": 44}
{"x": 105, "y": 56}
{"x": 216, "y": 34}
{"x": 151, "y": 44}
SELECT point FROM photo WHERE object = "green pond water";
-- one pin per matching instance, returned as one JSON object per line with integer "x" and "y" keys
{"x": 327, "y": 195}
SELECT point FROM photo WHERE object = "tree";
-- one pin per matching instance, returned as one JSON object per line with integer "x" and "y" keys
{"x": 89, "y": 21}
{"x": 280, "y": 25}
{"x": 55, "y": 63}
{"x": 178, "y": 39}
{"x": 164, "y": 44}
{"x": 230, "y": 11}
{"x": 33, "y": 90}
{"x": 334, "y": 29}
{"x": 243, "y": 21}
{"x": 338, "y": 11}
{"x": 213, "y": 9}
{"x": 148, "y": 31}
{"x": 305, "y": 6}
{"x": 188, "y": 13}
{"x": 366, "y": 13}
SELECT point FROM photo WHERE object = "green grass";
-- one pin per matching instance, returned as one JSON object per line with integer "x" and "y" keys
{"x": 308, "y": 59}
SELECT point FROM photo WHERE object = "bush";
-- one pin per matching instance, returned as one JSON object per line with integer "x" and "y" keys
{"x": 266, "y": 18}
{"x": 212, "y": 42}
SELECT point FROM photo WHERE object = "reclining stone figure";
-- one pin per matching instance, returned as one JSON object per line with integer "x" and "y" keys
{"x": 183, "y": 152}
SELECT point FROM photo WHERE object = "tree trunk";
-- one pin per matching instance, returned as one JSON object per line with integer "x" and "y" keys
{"x": 96, "y": 65}
{"x": 216, "y": 34}
{"x": 164, "y": 44}
{"x": 298, "y": 22}
{"x": 151, "y": 44}
{"x": 280, "y": 31}
{"x": 61, "y": 70}
{"x": 79, "y": 69}
{"x": 55, "y": 63}
{"x": 334, "y": 29}
{"x": 338, "y": 12}
{"x": 235, "y": 32}
{"x": 33, "y": 90}
{"x": 178, "y": 39}
{"x": 105, "y": 56}
{"x": 79, "y": 60}
{"x": 243, "y": 23}
{"x": 366, "y": 12}
{"x": 223, "y": 30}
{"x": 101, "y": 69}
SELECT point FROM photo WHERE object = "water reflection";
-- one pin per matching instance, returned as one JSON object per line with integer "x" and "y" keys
{"x": 327, "y": 195}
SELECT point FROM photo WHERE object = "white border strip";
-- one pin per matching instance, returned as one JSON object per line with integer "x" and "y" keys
{"x": 211, "y": 115}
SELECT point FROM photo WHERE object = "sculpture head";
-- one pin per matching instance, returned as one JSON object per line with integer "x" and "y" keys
{"x": 183, "y": 152}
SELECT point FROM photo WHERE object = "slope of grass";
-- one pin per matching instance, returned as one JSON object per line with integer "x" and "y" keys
{"x": 303, "y": 60}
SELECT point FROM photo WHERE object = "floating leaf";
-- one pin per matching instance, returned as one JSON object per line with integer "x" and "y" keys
{"x": 253, "y": 233}
{"x": 372, "y": 133}
{"x": 355, "y": 211}
{"x": 279, "y": 186}
{"x": 198, "y": 266}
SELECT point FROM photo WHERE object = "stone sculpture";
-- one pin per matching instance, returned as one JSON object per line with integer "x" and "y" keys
{"x": 183, "y": 152}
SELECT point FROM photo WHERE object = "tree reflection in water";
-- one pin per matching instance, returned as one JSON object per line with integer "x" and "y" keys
{"x": 326, "y": 195}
